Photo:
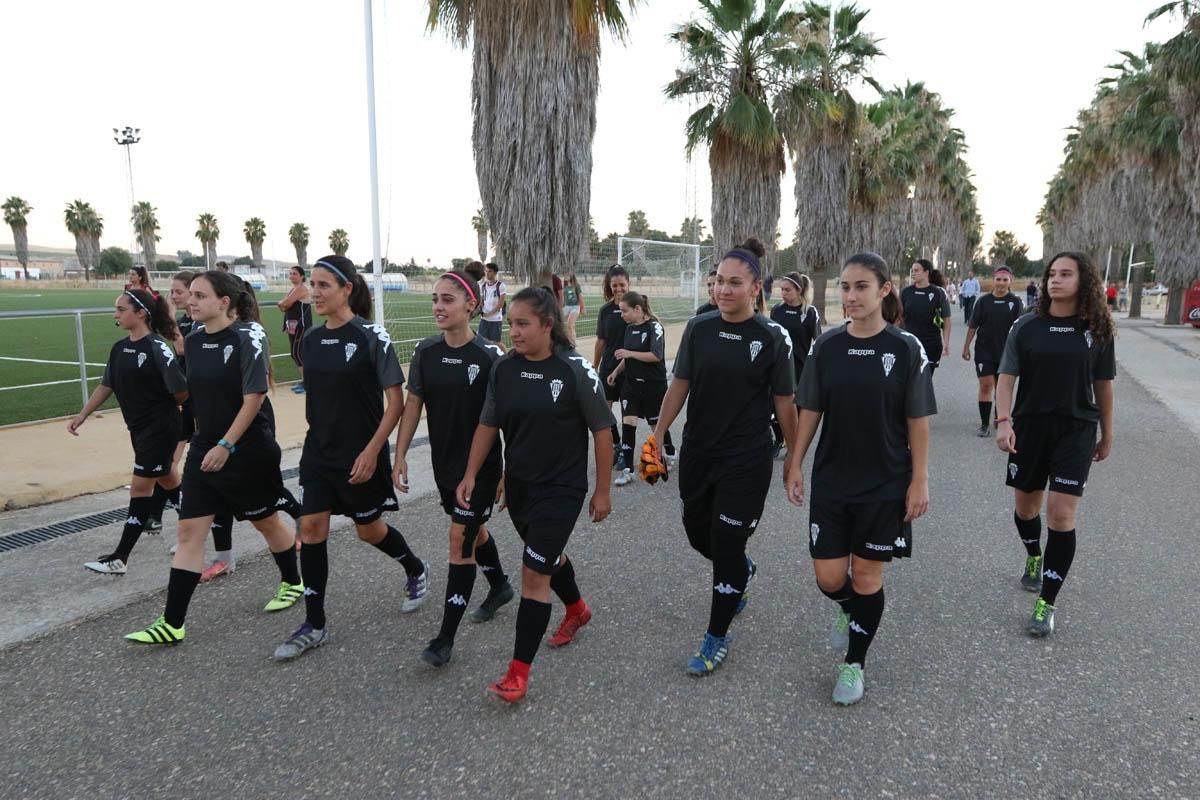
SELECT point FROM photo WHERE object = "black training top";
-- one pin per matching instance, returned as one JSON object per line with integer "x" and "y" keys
{"x": 867, "y": 390}
{"x": 221, "y": 368}
{"x": 1056, "y": 360}
{"x": 145, "y": 375}
{"x": 648, "y": 337}
{"x": 733, "y": 369}
{"x": 545, "y": 410}
{"x": 704, "y": 309}
{"x": 185, "y": 325}
{"x": 346, "y": 370}
{"x": 452, "y": 382}
{"x": 301, "y": 312}
{"x": 803, "y": 324}
{"x": 991, "y": 319}
{"x": 611, "y": 328}
{"x": 922, "y": 310}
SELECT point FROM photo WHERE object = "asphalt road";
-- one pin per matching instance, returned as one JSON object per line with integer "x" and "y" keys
{"x": 960, "y": 702}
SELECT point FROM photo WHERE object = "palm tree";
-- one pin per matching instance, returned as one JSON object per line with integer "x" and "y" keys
{"x": 86, "y": 226}
{"x": 298, "y": 234}
{"x": 639, "y": 226}
{"x": 145, "y": 225}
{"x": 208, "y": 232}
{"x": 535, "y": 77}
{"x": 339, "y": 241}
{"x": 738, "y": 63}
{"x": 255, "y": 231}
{"x": 15, "y": 212}
{"x": 480, "y": 224}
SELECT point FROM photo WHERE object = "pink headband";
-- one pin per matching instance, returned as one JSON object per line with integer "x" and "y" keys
{"x": 466, "y": 285}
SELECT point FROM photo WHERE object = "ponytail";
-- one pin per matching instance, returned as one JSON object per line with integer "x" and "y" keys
{"x": 635, "y": 300}
{"x": 360, "y": 298}
{"x": 891, "y": 309}
{"x": 545, "y": 307}
{"x": 158, "y": 313}
{"x": 247, "y": 304}
{"x": 343, "y": 271}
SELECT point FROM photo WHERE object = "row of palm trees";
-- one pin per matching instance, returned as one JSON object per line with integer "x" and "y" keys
{"x": 771, "y": 79}
{"x": 86, "y": 225}
{"x": 1131, "y": 168}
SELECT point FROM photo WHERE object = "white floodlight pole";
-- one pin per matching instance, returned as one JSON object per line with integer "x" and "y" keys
{"x": 377, "y": 272}
{"x": 620, "y": 249}
{"x": 1107, "y": 264}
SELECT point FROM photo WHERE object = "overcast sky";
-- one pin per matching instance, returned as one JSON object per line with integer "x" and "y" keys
{"x": 258, "y": 109}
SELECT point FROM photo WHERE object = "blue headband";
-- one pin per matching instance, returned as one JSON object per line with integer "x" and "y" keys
{"x": 133, "y": 297}
{"x": 748, "y": 257}
{"x": 332, "y": 269}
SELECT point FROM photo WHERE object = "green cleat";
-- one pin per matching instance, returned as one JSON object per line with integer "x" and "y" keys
{"x": 1031, "y": 580}
{"x": 285, "y": 596}
{"x": 839, "y": 634}
{"x": 159, "y": 632}
{"x": 849, "y": 687}
{"x": 1041, "y": 622}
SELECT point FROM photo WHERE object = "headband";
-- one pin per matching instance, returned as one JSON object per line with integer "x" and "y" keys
{"x": 748, "y": 257}
{"x": 789, "y": 279}
{"x": 133, "y": 297}
{"x": 466, "y": 285}
{"x": 1002, "y": 269}
{"x": 332, "y": 269}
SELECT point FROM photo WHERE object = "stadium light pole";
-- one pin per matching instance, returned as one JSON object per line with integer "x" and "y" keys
{"x": 377, "y": 272}
{"x": 127, "y": 137}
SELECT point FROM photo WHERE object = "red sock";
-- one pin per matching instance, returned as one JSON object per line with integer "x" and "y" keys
{"x": 519, "y": 669}
{"x": 577, "y": 608}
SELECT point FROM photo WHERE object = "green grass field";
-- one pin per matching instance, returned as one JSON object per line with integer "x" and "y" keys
{"x": 52, "y": 338}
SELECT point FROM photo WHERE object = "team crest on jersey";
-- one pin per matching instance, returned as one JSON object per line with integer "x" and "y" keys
{"x": 227, "y": 352}
{"x": 556, "y": 387}
{"x": 472, "y": 373}
{"x": 643, "y": 337}
{"x": 755, "y": 349}
{"x": 351, "y": 348}
{"x": 814, "y": 530}
{"x": 141, "y": 359}
{"x": 1012, "y": 470}
{"x": 1010, "y": 305}
{"x": 624, "y": 404}
{"x": 889, "y": 361}
{"x": 1087, "y": 337}
{"x": 931, "y": 297}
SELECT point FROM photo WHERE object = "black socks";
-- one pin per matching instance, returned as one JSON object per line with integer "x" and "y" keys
{"x": 1030, "y": 531}
{"x": 1060, "y": 552}
{"x": 460, "y": 578}
{"x": 842, "y": 596}
{"x": 628, "y": 443}
{"x": 985, "y": 413}
{"x": 729, "y": 582}
{"x": 314, "y": 563}
{"x": 865, "y": 610}
{"x": 563, "y": 583}
{"x": 222, "y": 533}
{"x": 488, "y": 559}
{"x": 289, "y": 570}
{"x": 533, "y": 618}
{"x": 394, "y": 545}
{"x": 139, "y": 510}
{"x": 180, "y": 586}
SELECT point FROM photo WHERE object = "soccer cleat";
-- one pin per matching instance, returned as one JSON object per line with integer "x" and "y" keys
{"x": 711, "y": 654}
{"x": 159, "y": 632}
{"x": 415, "y": 590}
{"x": 839, "y": 634}
{"x": 849, "y": 687}
{"x": 569, "y": 627}
{"x": 984, "y": 430}
{"x": 1041, "y": 622}
{"x": 513, "y": 686}
{"x": 216, "y": 569}
{"x": 298, "y": 388}
{"x": 751, "y": 571}
{"x": 285, "y": 596}
{"x": 438, "y": 653}
{"x": 305, "y": 638}
{"x": 153, "y": 527}
{"x": 1031, "y": 579}
{"x": 496, "y": 599}
{"x": 624, "y": 477}
{"x": 111, "y": 564}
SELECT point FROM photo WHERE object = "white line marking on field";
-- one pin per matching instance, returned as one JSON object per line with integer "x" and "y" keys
{"x": 48, "y": 383}
{"x": 49, "y": 361}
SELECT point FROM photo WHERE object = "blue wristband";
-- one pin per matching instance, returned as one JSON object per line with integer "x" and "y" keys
{"x": 223, "y": 443}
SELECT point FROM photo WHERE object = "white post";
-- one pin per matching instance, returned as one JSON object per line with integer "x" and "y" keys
{"x": 83, "y": 383}
{"x": 620, "y": 250}
{"x": 377, "y": 260}
{"x": 1108, "y": 265}
{"x": 1129, "y": 269}
{"x": 696, "y": 280}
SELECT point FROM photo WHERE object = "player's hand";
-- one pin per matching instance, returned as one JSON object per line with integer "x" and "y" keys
{"x": 400, "y": 474}
{"x": 73, "y": 425}
{"x": 364, "y": 466}
{"x": 214, "y": 460}
{"x": 966, "y": 354}
{"x": 793, "y": 483}
{"x": 600, "y": 506}
{"x": 621, "y": 352}
{"x": 916, "y": 499}
{"x": 501, "y": 500}
{"x": 462, "y": 495}
{"x": 611, "y": 380}
{"x": 1006, "y": 439}
{"x": 1103, "y": 448}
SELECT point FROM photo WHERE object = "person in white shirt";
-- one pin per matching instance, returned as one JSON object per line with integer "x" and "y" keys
{"x": 494, "y": 294}
{"x": 969, "y": 291}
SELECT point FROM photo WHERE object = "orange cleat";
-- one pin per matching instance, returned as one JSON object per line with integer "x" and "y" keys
{"x": 570, "y": 626}
{"x": 513, "y": 686}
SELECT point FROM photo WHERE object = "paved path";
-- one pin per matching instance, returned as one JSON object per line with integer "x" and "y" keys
{"x": 960, "y": 702}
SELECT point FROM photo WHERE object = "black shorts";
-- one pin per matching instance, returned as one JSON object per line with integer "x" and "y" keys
{"x": 483, "y": 498}
{"x": 642, "y": 399}
{"x": 187, "y": 423}
{"x": 612, "y": 394}
{"x": 153, "y": 450}
{"x": 249, "y": 486}
{"x": 1052, "y": 448}
{"x": 492, "y": 331}
{"x": 722, "y": 496}
{"x": 874, "y": 531}
{"x": 325, "y": 488}
{"x": 294, "y": 339}
{"x": 984, "y": 369}
{"x": 544, "y": 517}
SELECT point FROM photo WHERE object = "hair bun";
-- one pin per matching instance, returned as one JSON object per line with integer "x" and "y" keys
{"x": 754, "y": 246}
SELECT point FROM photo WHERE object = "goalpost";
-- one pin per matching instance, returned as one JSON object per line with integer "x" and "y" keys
{"x": 671, "y": 271}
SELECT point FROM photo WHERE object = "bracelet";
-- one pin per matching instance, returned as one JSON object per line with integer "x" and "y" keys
{"x": 222, "y": 442}
{"x": 1003, "y": 419}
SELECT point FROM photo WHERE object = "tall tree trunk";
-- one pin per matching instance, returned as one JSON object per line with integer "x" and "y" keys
{"x": 822, "y": 211}
{"x": 302, "y": 255}
{"x": 1135, "y": 293}
{"x": 21, "y": 245}
{"x": 1174, "y": 312}
{"x": 93, "y": 251}
{"x": 82, "y": 254}
{"x": 210, "y": 254}
{"x": 533, "y": 90}
{"x": 481, "y": 239}
{"x": 256, "y": 254}
{"x": 149, "y": 250}
{"x": 745, "y": 197}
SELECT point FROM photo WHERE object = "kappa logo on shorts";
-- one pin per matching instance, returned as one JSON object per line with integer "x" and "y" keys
{"x": 138, "y": 466}
{"x": 556, "y": 387}
{"x": 1087, "y": 337}
{"x": 157, "y": 468}
{"x": 351, "y": 349}
{"x": 814, "y": 530}
{"x": 141, "y": 359}
{"x": 725, "y": 588}
{"x": 1012, "y": 470}
{"x": 390, "y": 503}
{"x": 300, "y": 495}
{"x": 256, "y": 511}
{"x": 883, "y": 548}
{"x": 755, "y": 349}
{"x": 363, "y": 514}
{"x": 472, "y": 373}
{"x": 281, "y": 502}
{"x": 901, "y": 542}
{"x": 538, "y": 557}
{"x": 754, "y": 522}
{"x": 735, "y": 522}
{"x": 889, "y": 361}
{"x": 456, "y": 600}
{"x": 462, "y": 512}
{"x": 1065, "y": 481}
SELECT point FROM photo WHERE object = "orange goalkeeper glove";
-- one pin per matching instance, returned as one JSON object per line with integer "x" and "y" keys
{"x": 651, "y": 467}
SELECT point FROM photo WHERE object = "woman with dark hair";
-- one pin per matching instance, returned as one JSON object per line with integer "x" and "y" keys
{"x": 1064, "y": 355}
{"x": 709, "y": 283}
{"x": 803, "y": 324}
{"x": 545, "y": 398}
{"x": 145, "y": 375}
{"x": 297, "y": 318}
{"x": 642, "y": 371}
{"x": 233, "y": 463}
{"x": 610, "y": 334}
{"x": 139, "y": 278}
{"x": 731, "y": 369}
{"x": 868, "y": 385}
{"x": 926, "y": 311}
{"x": 353, "y": 402}
{"x": 992, "y": 317}
{"x": 573, "y": 304}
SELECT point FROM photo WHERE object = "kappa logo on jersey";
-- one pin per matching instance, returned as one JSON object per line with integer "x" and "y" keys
{"x": 755, "y": 349}
{"x": 351, "y": 349}
{"x": 1012, "y": 470}
{"x": 725, "y": 588}
{"x": 1087, "y": 337}
{"x": 456, "y": 600}
{"x": 814, "y": 530}
{"x": 556, "y": 387}
{"x": 472, "y": 373}
{"x": 495, "y": 349}
{"x": 924, "y": 358}
{"x": 533, "y": 376}
{"x": 733, "y": 337}
{"x": 258, "y": 335}
{"x": 889, "y": 361}
{"x": 167, "y": 351}
{"x": 591, "y": 372}
{"x": 381, "y": 332}
{"x": 812, "y": 346}
{"x": 1060, "y": 329}
{"x": 787, "y": 337}
{"x": 141, "y": 359}
{"x": 447, "y": 360}
{"x": 854, "y": 626}
{"x": 658, "y": 330}
{"x": 855, "y": 351}
{"x": 227, "y": 352}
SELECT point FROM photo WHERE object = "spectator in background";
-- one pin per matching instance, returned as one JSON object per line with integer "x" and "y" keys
{"x": 1111, "y": 295}
{"x": 138, "y": 278}
{"x": 768, "y": 284}
{"x": 221, "y": 266}
{"x": 1123, "y": 297}
{"x": 969, "y": 291}
{"x": 952, "y": 291}
{"x": 711, "y": 305}
{"x": 297, "y": 318}
{"x": 1031, "y": 294}
{"x": 556, "y": 287}
{"x": 494, "y": 296}
{"x": 572, "y": 304}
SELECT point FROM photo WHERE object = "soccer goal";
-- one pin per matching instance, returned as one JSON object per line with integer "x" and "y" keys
{"x": 671, "y": 274}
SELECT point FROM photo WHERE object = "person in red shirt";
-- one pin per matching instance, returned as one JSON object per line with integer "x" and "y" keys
{"x": 1111, "y": 294}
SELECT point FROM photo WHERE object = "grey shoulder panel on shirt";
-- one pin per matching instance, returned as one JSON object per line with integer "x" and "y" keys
{"x": 826, "y": 335}
{"x": 493, "y": 350}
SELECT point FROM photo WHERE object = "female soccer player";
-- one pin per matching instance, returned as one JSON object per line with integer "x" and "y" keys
{"x": 868, "y": 384}
{"x": 991, "y": 319}
{"x": 297, "y": 318}
{"x": 573, "y": 304}
{"x": 545, "y": 397}
{"x": 139, "y": 278}
{"x": 233, "y": 463}
{"x": 144, "y": 373}
{"x": 926, "y": 311}
{"x": 711, "y": 305}
{"x": 1063, "y": 353}
{"x": 610, "y": 334}
{"x": 353, "y": 402}
{"x": 802, "y": 322}
{"x": 642, "y": 373}
{"x": 448, "y": 376}
{"x": 732, "y": 368}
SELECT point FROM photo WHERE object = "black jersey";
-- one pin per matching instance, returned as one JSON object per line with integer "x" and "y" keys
{"x": 145, "y": 375}
{"x": 346, "y": 370}
{"x": 545, "y": 410}
{"x": 610, "y": 327}
{"x": 991, "y": 319}
{"x": 452, "y": 382}
{"x": 299, "y": 312}
{"x": 704, "y": 309}
{"x": 803, "y": 324}
{"x": 922, "y": 310}
{"x": 185, "y": 325}
{"x": 733, "y": 369}
{"x": 221, "y": 368}
{"x": 648, "y": 337}
{"x": 866, "y": 389}
{"x": 1056, "y": 361}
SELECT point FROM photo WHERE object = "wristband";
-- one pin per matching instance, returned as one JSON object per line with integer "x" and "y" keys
{"x": 222, "y": 442}
{"x": 1003, "y": 419}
